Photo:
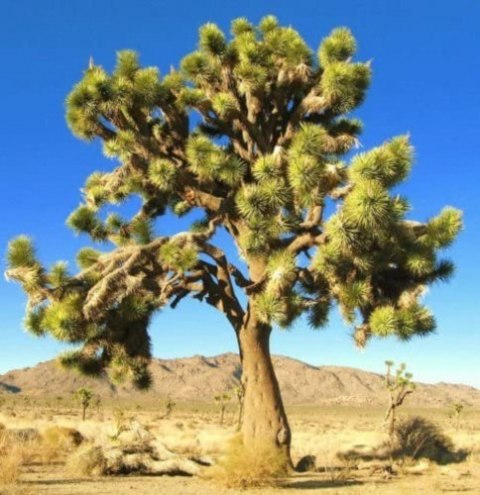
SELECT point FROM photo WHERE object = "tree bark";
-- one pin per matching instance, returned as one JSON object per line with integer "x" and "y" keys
{"x": 264, "y": 418}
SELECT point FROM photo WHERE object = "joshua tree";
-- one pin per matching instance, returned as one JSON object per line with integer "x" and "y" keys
{"x": 97, "y": 403}
{"x": 399, "y": 386}
{"x": 84, "y": 397}
{"x": 169, "y": 407}
{"x": 222, "y": 400}
{"x": 251, "y": 139}
{"x": 457, "y": 409}
{"x": 238, "y": 393}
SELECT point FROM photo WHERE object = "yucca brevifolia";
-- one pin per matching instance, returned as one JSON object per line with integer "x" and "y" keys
{"x": 250, "y": 133}
{"x": 222, "y": 400}
{"x": 457, "y": 409}
{"x": 169, "y": 407}
{"x": 399, "y": 386}
{"x": 84, "y": 397}
{"x": 239, "y": 393}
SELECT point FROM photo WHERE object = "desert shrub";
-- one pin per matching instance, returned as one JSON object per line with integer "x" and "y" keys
{"x": 57, "y": 441}
{"x": 88, "y": 460}
{"x": 120, "y": 423}
{"x": 248, "y": 467}
{"x": 11, "y": 459}
{"x": 22, "y": 435}
{"x": 62, "y": 436}
{"x": 418, "y": 437}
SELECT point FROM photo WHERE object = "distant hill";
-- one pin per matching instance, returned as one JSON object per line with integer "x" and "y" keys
{"x": 201, "y": 378}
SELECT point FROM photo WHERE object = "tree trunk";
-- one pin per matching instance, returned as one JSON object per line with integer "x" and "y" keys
{"x": 391, "y": 424}
{"x": 222, "y": 413}
{"x": 264, "y": 419}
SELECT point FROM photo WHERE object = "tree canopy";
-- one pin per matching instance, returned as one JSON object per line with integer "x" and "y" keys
{"x": 255, "y": 131}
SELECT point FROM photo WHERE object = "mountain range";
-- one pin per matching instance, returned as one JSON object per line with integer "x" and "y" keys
{"x": 200, "y": 378}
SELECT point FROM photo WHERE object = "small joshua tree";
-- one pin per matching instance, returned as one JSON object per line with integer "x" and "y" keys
{"x": 169, "y": 407}
{"x": 399, "y": 386}
{"x": 239, "y": 394}
{"x": 97, "y": 403}
{"x": 457, "y": 409}
{"x": 254, "y": 136}
{"x": 222, "y": 400}
{"x": 84, "y": 397}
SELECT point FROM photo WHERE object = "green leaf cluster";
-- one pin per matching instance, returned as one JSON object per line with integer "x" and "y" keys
{"x": 178, "y": 255}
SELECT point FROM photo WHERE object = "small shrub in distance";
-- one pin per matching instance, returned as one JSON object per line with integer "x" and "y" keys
{"x": 88, "y": 460}
{"x": 120, "y": 423}
{"x": 418, "y": 437}
{"x": 56, "y": 441}
{"x": 62, "y": 436}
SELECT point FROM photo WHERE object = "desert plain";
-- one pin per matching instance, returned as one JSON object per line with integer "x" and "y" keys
{"x": 47, "y": 449}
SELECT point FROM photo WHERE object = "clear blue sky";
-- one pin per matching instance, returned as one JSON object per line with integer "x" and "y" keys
{"x": 426, "y": 82}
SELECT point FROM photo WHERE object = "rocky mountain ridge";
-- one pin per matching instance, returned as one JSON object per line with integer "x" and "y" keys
{"x": 200, "y": 378}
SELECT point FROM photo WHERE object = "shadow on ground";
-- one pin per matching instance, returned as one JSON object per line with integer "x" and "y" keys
{"x": 309, "y": 483}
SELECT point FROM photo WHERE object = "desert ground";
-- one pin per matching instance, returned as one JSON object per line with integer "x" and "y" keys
{"x": 40, "y": 449}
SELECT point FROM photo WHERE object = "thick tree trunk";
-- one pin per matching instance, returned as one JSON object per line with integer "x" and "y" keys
{"x": 264, "y": 418}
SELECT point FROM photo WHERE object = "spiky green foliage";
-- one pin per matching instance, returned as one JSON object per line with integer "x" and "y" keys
{"x": 387, "y": 164}
{"x": 87, "y": 257}
{"x": 343, "y": 85}
{"x": 444, "y": 228}
{"x": 252, "y": 133}
{"x": 163, "y": 174}
{"x": 179, "y": 255}
{"x": 84, "y": 221}
{"x": 21, "y": 253}
{"x": 58, "y": 275}
{"x": 33, "y": 321}
{"x": 81, "y": 362}
{"x": 339, "y": 46}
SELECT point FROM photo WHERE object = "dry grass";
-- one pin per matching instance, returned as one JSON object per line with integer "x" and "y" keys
{"x": 88, "y": 461}
{"x": 56, "y": 442}
{"x": 11, "y": 459}
{"x": 249, "y": 467}
{"x": 323, "y": 432}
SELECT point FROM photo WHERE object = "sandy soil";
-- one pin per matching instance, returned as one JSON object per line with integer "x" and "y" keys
{"x": 51, "y": 480}
{"x": 323, "y": 432}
